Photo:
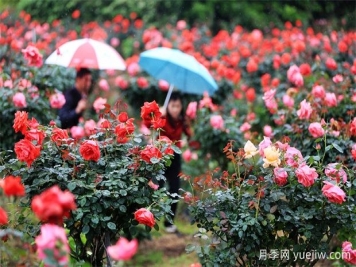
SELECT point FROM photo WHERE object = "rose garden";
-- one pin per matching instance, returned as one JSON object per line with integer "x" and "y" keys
{"x": 270, "y": 167}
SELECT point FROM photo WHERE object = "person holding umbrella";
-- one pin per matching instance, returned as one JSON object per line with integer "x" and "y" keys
{"x": 176, "y": 125}
{"x": 76, "y": 99}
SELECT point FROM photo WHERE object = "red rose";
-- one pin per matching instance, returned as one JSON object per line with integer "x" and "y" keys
{"x": 90, "y": 150}
{"x": 59, "y": 136}
{"x": 142, "y": 82}
{"x": 150, "y": 110}
{"x": 20, "y": 122}
{"x": 122, "y": 131}
{"x": 35, "y": 135}
{"x": 26, "y": 151}
{"x": 13, "y": 187}
{"x": 158, "y": 123}
{"x": 144, "y": 216}
{"x": 123, "y": 117}
{"x": 3, "y": 217}
{"x": 150, "y": 152}
{"x": 53, "y": 204}
{"x": 33, "y": 56}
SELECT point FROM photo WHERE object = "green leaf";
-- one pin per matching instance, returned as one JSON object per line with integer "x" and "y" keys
{"x": 338, "y": 148}
{"x": 190, "y": 248}
{"x": 154, "y": 160}
{"x": 71, "y": 186}
{"x": 137, "y": 140}
{"x": 95, "y": 220}
{"x": 122, "y": 208}
{"x": 133, "y": 230}
{"x": 111, "y": 226}
{"x": 85, "y": 229}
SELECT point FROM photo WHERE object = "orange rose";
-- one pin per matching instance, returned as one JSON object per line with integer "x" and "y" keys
{"x": 58, "y": 135}
{"x": 26, "y": 151}
{"x": 90, "y": 150}
{"x": 13, "y": 186}
{"x": 144, "y": 216}
{"x": 20, "y": 122}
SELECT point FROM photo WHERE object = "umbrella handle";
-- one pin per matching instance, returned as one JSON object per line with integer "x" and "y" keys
{"x": 168, "y": 96}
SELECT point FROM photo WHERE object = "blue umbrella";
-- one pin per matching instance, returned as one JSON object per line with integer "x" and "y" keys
{"x": 179, "y": 69}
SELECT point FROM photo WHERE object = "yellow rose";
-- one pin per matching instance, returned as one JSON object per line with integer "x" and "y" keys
{"x": 271, "y": 154}
{"x": 250, "y": 150}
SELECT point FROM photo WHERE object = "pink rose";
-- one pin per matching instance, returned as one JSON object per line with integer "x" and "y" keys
{"x": 316, "y": 130}
{"x": 114, "y": 41}
{"x": 335, "y": 172}
{"x": 353, "y": 127}
{"x": 338, "y": 78}
{"x": 192, "y": 110}
{"x": 54, "y": 239}
{"x": 8, "y": 83}
{"x": 266, "y": 142}
{"x": 123, "y": 250}
{"x": 330, "y": 100}
{"x": 306, "y": 175}
{"x": 217, "y": 122}
{"x": 318, "y": 91}
{"x": 333, "y": 193}
{"x": 33, "y": 56}
{"x": 293, "y": 157}
{"x": 19, "y": 100}
{"x": 163, "y": 85}
{"x": 57, "y": 100}
{"x": 267, "y": 131}
{"x": 288, "y": 101}
{"x": 122, "y": 83}
{"x": 245, "y": 127}
{"x": 181, "y": 25}
{"x": 104, "y": 85}
{"x": 133, "y": 69}
{"x": 77, "y": 132}
{"x": 280, "y": 176}
{"x": 349, "y": 254}
{"x": 153, "y": 185}
{"x": 305, "y": 110}
{"x": 99, "y": 104}
{"x": 90, "y": 127}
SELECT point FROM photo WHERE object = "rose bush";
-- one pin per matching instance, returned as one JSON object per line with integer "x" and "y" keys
{"x": 274, "y": 201}
{"x": 110, "y": 175}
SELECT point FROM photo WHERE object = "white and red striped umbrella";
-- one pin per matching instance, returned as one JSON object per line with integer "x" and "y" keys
{"x": 87, "y": 53}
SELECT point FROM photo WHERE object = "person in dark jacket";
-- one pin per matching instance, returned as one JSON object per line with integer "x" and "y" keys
{"x": 176, "y": 125}
{"x": 76, "y": 99}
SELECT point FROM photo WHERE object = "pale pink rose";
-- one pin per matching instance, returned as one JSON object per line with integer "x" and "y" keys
{"x": 133, "y": 69}
{"x": 267, "y": 131}
{"x": 114, "y": 41}
{"x": 293, "y": 157}
{"x": 77, "y": 132}
{"x": 110, "y": 72}
{"x": 280, "y": 176}
{"x": 123, "y": 250}
{"x": 333, "y": 193}
{"x": 104, "y": 85}
{"x": 217, "y": 122}
{"x": 293, "y": 70}
{"x": 338, "y": 78}
{"x": 19, "y": 100}
{"x": 153, "y": 185}
{"x": 330, "y": 100}
{"x": 318, "y": 91}
{"x": 99, "y": 104}
{"x": 305, "y": 110}
{"x": 90, "y": 127}
{"x": 121, "y": 82}
{"x": 163, "y": 85}
{"x": 266, "y": 142}
{"x": 8, "y": 84}
{"x": 349, "y": 254}
{"x": 353, "y": 97}
{"x": 245, "y": 127}
{"x": 247, "y": 135}
{"x": 288, "y": 101}
{"x": 316, "y": 130}
{"x": 54, "y": 239}
{"x": 233, "y": 112}
{"x": 306, "y": 175}
{"x": 335, "y": 172}
{"x": 298, "y": 79}
{"x": 57, "y": 100}
{"x": 23, "y": 84}
{"x": 181, "y": 25}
